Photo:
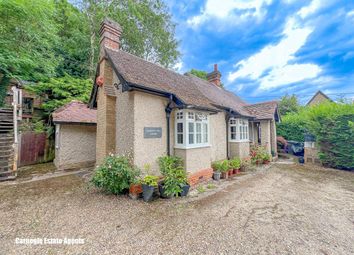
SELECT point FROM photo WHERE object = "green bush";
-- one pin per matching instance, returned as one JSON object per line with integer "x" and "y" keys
{"x": 175, "y": 177}
{"x": 331, "y": 125}
{"x": 221, "y": 166}
{"x": 292, "y": 127}
{"x": 150, "y": 180}
{"x": 115, "y": 175}
{"x": 174, "y": 181}
{"x": 166, "y": 163}
{"x": 235, "y": 163}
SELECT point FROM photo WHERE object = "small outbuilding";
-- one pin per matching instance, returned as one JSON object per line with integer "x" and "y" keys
{"x": 75, "y": 136}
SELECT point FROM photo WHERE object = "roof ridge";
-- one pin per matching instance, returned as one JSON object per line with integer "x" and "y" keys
{"x": 65, "y": 106}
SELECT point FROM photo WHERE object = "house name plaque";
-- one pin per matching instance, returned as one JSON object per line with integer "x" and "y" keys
{"x": 152, "y": 132}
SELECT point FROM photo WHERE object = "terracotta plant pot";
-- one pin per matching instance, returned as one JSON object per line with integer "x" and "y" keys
{"x": 224, "y": 175}
{"x": 236, "y": 171}
{"x": 135, "y": 190}
{"x": 231, "y": 172}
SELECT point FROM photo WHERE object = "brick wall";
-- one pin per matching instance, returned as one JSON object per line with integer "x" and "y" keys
{"x": 200, "y": 176}
{"x": 106, "y": 116}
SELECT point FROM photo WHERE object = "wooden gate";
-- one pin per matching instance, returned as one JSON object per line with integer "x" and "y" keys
{"x": 33, "y": 148}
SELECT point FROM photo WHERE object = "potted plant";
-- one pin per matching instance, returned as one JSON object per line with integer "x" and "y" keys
{"x": 266, "y": 158}
{"x": 224, "y": 165}
{"x": 175, "y": 177}
{"x": 231, "y": 171}
{"x": 149, "y": 183}
{"x": 235, "y": 165}
{"x": 217, "y": 170}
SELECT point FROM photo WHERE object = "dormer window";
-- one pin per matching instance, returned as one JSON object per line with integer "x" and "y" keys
{"x": 191, "y": 129}
{"x": 238, "y": 130}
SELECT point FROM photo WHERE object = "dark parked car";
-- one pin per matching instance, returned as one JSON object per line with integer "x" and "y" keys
{"x": 296, "y": 148}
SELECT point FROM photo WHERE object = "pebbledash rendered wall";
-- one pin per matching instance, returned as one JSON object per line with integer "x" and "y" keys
{"x": 239, "y": 149}
{"x": 75, "y": 146}
{"x": 136, "y": 110}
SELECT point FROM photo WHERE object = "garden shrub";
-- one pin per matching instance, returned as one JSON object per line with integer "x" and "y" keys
{"x": 235, "y": 163}
{"x": 175, "y": 176}
{"x": 221, "y": 166}
{"x": 331, "y": 125}
{"x": 166, "y": 163}
{"x": 115, "y": 174}
{"x": 292, "y": 127}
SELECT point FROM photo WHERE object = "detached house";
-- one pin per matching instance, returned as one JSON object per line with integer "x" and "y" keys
{"x": 149, "y": 111}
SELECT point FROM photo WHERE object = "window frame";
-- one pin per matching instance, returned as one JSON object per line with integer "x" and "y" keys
{"x": 242, "y": 130}
{"x": 197, "y": 120}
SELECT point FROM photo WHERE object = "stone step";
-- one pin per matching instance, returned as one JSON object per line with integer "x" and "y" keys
{"x": 6, "y": 152}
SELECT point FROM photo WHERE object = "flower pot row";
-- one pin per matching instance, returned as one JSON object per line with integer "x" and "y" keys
{"x": 149, "y": 191}
{"x": 225, "y": 174}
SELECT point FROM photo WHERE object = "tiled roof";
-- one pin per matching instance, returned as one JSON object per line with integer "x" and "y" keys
{"x": 75, "y": 112}
{"x": 190, "y": 89}
{"x": 262, "y": 111}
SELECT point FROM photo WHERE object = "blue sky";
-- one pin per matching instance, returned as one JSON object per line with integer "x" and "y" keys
{"x": 267, "y": 48}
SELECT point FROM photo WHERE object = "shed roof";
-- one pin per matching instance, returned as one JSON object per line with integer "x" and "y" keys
{"x": 75, "y": 112}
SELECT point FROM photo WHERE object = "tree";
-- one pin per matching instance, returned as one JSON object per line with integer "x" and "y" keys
{"x": 27, "y": 38}
{"x": 59, "y": 91}
{"x": 148, "y": 31}
{"x": 199, "y": 73}
{"x": 73, "y": 46}
{"x": 288, "y": 104}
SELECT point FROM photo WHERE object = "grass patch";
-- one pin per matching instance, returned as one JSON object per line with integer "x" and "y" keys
{"x": 211, "y": 186}
{"x": 201, "y": 189}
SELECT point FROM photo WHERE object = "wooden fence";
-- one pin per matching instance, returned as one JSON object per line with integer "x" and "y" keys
{"x": 35, "y": 148}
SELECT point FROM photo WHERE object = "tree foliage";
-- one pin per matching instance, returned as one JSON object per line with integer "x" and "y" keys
{"x": 199, "y": 73}
{"x": 59, "y": 91}
{"x": 288, "y": 104}
{"x": 292, "y": 127}
{"x": 28, "y": 35}
{"x": 73, "y": 46}
{"x": 148, "y": 31}
{"x": 40, "y": 40}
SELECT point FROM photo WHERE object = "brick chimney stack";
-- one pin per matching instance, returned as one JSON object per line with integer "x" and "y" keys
{"x": 214, "y": 77}
{"x": 110, "y": 34}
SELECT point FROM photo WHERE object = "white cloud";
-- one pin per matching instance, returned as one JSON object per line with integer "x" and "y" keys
{"x": 224, "y": 9}
{"x": 289, "y": 74}
{"x": 351, "y": 13}
{"x": 310, "y": 9}
{"x": 277, "y": 61}
{"x": 178, "y": 66}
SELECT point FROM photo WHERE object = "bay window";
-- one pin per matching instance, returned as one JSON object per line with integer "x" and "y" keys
{"x": 192, "y": 129}
{"x": 238, "y": 130}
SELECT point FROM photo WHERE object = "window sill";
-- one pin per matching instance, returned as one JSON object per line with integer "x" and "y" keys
{"x": 192, "y": 147}
{"x": 239, "y": 141}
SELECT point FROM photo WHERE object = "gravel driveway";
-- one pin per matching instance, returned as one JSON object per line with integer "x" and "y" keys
{"x": 286, "y": 209}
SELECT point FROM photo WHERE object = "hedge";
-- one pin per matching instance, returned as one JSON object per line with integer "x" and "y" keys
{"x": 332, "y": 125}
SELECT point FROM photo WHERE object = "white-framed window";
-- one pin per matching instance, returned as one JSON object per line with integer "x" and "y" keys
{"x": 191, "y": 129}
{"x": 238, "y": 130}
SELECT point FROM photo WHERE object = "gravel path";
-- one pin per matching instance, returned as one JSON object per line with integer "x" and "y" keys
{"x": 286, "y": 209}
